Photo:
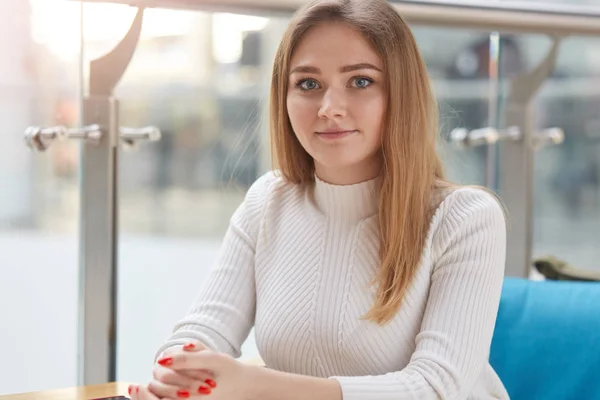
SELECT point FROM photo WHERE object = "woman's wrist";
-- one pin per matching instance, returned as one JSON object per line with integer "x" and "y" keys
{"x": 255, "y": 381}
{"x": 262, "y": 383}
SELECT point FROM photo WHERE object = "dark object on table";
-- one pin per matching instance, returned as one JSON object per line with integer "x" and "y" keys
{"x": 113, "y": 398}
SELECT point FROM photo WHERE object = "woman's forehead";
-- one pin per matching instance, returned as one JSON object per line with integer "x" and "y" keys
{"x": 334, "y": 44}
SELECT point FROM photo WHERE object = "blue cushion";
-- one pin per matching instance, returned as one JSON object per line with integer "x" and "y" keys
{"x": 546, "y": 344}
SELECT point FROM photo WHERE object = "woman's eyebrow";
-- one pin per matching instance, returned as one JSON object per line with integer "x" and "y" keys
{"x": 356, "y": 67}
{"x": 306, "y": 69}
{"x": 347, "y": 68}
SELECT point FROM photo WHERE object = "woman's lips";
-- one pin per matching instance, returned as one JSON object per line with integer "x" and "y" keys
{"x": 337, "y": 134}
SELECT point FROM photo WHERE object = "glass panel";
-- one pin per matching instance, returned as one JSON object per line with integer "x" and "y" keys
{"x": 459, "y": 65}
{"x": 39, "y": 206}
{"x": 566, "y": 198}
{"x": 567, "y": 176}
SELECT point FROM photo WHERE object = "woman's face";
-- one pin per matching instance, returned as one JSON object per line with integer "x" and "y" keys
{"x": 336, "y": 102}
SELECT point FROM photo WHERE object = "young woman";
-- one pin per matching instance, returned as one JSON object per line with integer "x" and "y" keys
{"x": 366, "y": 275}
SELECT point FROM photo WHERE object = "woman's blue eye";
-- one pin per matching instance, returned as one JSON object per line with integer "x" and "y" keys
{"x": 362, "y": 83}
{"x": 308, "y": 84}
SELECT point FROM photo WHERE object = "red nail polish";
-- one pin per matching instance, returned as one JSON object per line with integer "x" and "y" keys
{"x": 165, "y": 361}
{"x": 137, "y": 389}
{"x": 130, "y": 389}
{"x": 189, "y": 346}
{"x": 204, "y": 390}
{"x": 184, "y": 394}
{"x": 211, "y": 383}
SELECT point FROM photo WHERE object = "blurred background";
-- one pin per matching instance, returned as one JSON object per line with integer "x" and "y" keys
{"x": 202, "y": 78}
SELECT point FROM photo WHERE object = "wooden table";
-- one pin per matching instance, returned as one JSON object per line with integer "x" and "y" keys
{"x": 75, "y": 393}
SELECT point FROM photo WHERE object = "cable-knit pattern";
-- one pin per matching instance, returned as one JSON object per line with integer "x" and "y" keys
{"x": 346, "y": 294}
{"x": 296, "y": 264}
{"x": 317, "y": 368}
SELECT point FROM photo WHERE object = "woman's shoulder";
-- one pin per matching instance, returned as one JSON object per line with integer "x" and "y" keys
{"x": 267, "y": 185}
{"x": 469, "y": 224}
{"x": 251, "y": 211}
{"x": 456, "y": 198}
{"x": 467, "y": 205}
{"x": 261, "y": 187}
{"x": 267, "y": 188}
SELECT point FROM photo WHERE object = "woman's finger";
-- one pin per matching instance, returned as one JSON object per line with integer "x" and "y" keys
{"x": 203, "y": 360}
{"x": 185, "y": 378}
{"x": 171, "y": 377}
{"x": 194, "y": 345}
{"x": 132, "y": 391}
{"x": 145, "y": 394}
{"x": 140, "y": 392}
{"x": 191, "y": 345}
{"x": 162, "y": 390}
{"x": 200, "y": 375}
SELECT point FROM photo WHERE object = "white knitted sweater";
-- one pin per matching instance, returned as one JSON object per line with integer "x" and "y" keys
{"x": 297, "y": 264}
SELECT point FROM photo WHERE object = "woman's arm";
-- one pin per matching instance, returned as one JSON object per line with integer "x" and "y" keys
{"x": 223, "y": 313}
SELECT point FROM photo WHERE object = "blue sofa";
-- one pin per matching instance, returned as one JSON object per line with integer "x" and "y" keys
{"x": 546, "y": 344}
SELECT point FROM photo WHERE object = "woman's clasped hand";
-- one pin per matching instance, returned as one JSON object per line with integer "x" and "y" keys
{"x": 194, "y": 372}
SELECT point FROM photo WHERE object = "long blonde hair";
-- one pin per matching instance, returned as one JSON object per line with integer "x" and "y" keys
{"x": 411, "y": 166}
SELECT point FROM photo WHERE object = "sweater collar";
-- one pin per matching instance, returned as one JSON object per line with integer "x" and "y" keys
{"x": 350, "y": 203}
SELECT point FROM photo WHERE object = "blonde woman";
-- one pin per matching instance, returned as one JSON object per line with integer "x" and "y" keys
{"x": 366, "y": 275}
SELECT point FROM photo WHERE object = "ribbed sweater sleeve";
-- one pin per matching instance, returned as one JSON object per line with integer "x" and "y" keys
{"x": 222, "y": 315}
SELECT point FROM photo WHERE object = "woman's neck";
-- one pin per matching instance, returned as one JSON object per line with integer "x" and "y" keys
{"x": 349, "y": 175}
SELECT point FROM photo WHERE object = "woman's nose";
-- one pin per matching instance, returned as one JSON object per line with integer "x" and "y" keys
{"x": 333, "y": 104}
